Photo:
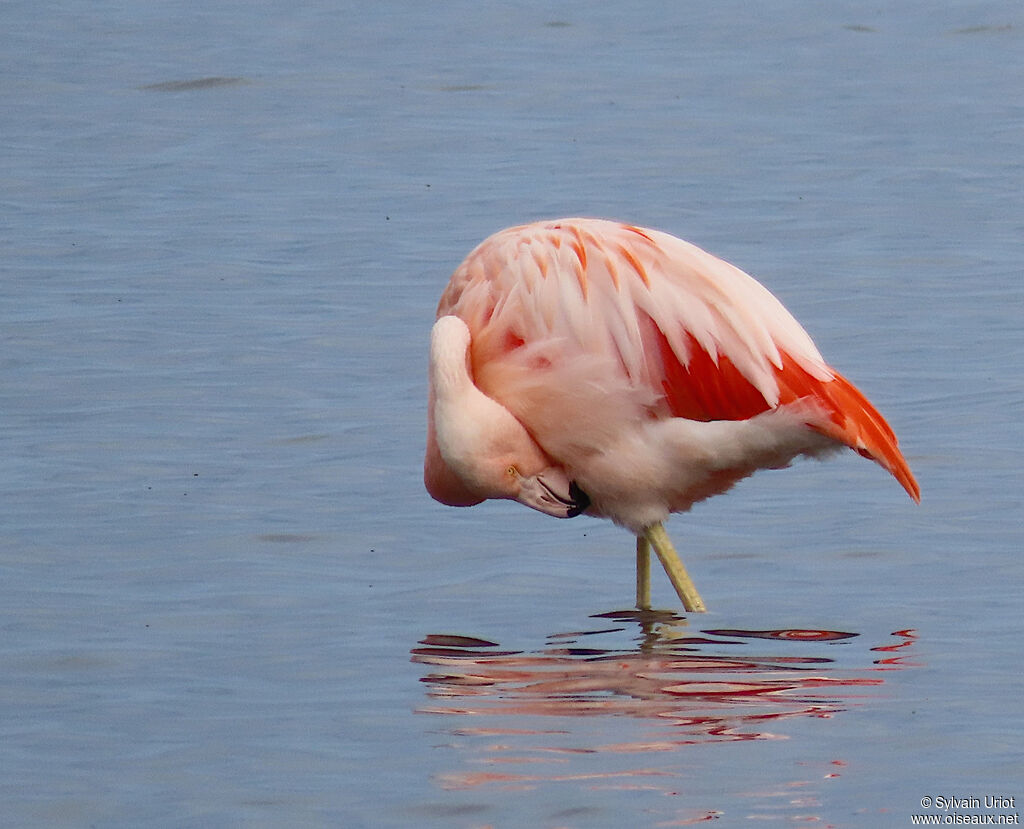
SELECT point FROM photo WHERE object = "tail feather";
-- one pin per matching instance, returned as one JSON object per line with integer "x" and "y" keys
{"x": 858, "y": 424}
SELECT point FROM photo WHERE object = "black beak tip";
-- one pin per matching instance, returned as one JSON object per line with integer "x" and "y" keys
{"x": 580, "y": 500}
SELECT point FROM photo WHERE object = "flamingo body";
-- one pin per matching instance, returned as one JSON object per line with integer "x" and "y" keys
{"x": 644, "y": 374}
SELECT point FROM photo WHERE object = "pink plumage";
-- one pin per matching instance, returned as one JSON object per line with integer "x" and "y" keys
{"x": 647, "y": 371}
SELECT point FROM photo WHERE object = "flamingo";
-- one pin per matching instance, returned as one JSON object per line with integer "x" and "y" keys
{"x": 585, "y": 366}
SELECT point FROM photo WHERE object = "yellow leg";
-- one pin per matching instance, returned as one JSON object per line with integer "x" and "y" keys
{"x": 643, "y": 573}
{"x": 681, "y": 581}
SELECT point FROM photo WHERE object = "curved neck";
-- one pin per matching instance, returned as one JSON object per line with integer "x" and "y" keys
{"x": 449, "y": 356}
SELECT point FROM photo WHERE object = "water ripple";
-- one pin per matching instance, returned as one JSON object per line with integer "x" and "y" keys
{"x": 523, "y": 717}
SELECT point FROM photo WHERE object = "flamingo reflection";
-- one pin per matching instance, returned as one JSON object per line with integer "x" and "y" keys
{"x": 694, "y": 688}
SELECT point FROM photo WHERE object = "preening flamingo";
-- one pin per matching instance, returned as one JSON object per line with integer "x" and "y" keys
{"x": 587, "y": 366}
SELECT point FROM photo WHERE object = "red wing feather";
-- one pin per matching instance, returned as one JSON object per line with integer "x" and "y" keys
{"x": 706, "y": 388}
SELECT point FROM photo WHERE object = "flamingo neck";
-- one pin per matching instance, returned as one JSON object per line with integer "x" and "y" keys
{"x": 449, "y": 358}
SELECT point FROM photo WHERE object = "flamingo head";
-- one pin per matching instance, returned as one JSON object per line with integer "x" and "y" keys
{"x": 476, "y": 449}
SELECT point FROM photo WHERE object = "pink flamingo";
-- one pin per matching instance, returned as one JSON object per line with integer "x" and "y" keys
{"x": 587, "y": 366}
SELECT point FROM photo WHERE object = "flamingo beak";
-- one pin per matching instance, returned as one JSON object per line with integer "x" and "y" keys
{"x": 551, "y": 492}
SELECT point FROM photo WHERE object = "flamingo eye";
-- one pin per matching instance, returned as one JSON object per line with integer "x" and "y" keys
{"x": 512, "y": 472}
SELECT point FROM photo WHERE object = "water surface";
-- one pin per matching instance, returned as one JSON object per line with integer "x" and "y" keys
{"x": 227, "y": 599}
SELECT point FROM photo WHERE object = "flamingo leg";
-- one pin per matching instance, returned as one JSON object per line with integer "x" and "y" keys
{"x": 681, "y": 581}
{"x": 643, "y": 573}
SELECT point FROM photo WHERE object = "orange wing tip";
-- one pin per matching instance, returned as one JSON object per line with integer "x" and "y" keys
{"x": 899, "y": 468}
{"x": 901, "y": 472}
{"x": 858, "y": 424}
{"x": 911, "y": 486}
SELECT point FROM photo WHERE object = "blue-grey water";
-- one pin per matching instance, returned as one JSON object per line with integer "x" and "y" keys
{"x": 225, "y": 598}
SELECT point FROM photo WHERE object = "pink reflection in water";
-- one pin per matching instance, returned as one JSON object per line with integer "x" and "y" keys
{"x": 520, "y": 708}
